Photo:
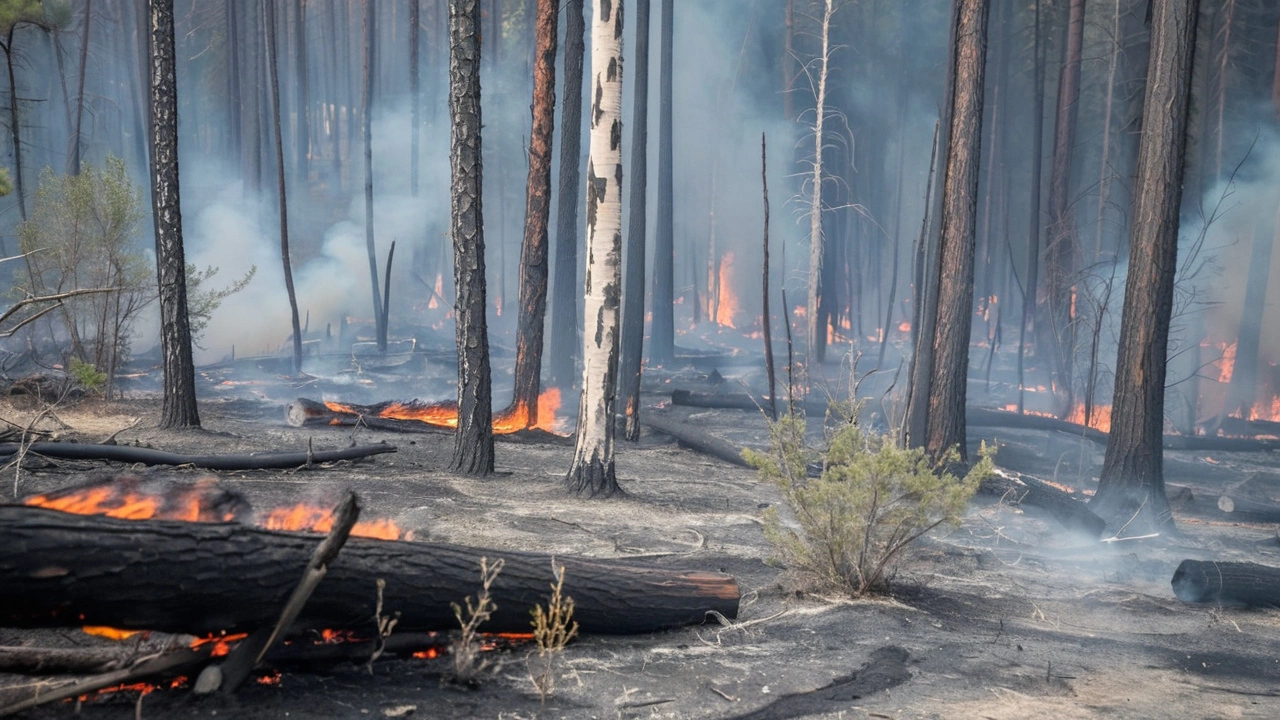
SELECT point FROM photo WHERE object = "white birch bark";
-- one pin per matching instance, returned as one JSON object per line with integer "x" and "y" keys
{"x": 592, "y": 471}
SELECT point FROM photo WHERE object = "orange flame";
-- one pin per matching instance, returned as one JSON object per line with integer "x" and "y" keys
{"x": 126, "y": 500}
{"x": 109, "y": 633}
{"x": 434, "y": 303}
{"x": 1266, "y": 410}
{"x": 445, "y": 414}
{"x": 1100, "y": 419}
{"x": 726, "y": 300}
{"x": 1227, "y": 364}
{"x": 318, "y": 519}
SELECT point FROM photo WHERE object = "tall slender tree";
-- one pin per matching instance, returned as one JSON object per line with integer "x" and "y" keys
{"x": 812, "y": 314}
{"x": 473, "y": 439}
{"x": 1131, "y": 493}
{"x": 945, "y": 427}
{"x": 1033, "y": 231}
{"x": 533, "y": 251}
{"x": 179, "y": 405}
{"x": 662, "y": 340}
{"x": 415, "y": 93}
{"x": 633, "y": 303}
{"x": 282, "y": 194}
{"x": 76, "y": 143}
{"x": 564, "y": 301}
{"x": 366, "y": 120}
{"x": 592, "y": 472}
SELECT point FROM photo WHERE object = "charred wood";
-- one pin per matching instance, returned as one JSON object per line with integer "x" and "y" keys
{"x": 303, "y": 412}
{"x": 1000, "y": 418}
{"x": 1227, "y": 583}
{"x": 1027, "y": 492}
{"x": 59, "y": 570}
{"x": 149, "y": 456}
{"x": 695, "y": 438}
{"x": 1244, "y": 510}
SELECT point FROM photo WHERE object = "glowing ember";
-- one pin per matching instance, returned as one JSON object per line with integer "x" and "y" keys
{"x": 726, "y": 302}
{"x": 428, "y": 654}
{"x": 904, "y": 326}
{"x": 270, "y": 679}
{"x": 445, "y": 414}
{"x": 318, "y": 519}
{"x": 109, "y": 633}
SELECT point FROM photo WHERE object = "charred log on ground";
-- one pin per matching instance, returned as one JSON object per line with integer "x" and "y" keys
{"x": 1227, "y": 583}
{"x": 149, "y": 456}
{"x": 58, "y": 569}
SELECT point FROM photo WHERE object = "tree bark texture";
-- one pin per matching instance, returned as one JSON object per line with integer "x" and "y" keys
{"x": 366, "y": 122}
{"x": 1033, "y": 222}
{"x": 945, "y": 426}
{"x": 592, "y": 471}
{"x": 179, "y": 405}
{"x": 1131, "y": 487}
{"x": 269, "y": 8}
{"x": 662, "y": 338}
{"x": 1061, "y": 250}
{"x": 76, "y": 144}
{"x": 60, "y": 569}
{"x": 564, "y": 303}
{"x": 473, "y": 440}
{"x": 533, "y": 251}
{"x": 812, "y": 316}
{"x": 633, "y": 303}
{"x": 1227, "y": 583}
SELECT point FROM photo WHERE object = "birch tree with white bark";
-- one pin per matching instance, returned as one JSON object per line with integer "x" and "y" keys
{"x": 592, "y": 471}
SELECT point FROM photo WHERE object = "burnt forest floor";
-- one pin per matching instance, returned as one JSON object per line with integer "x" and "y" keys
{"x": 1003, "y": 617}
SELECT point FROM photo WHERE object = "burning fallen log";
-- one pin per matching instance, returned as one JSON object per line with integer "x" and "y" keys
{"x": 1227, "y": 583}
{"x": 1244, "y": 510}
{"x": 1027, "y": 492}
{"x": 1202, "y": 443}
{"x": 148, "y": 456}
{"x": 419, "y": 417}
{"x": 59, "y": 569}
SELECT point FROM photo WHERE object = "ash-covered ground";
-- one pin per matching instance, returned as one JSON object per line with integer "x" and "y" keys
{"x": 1005, "y": 616}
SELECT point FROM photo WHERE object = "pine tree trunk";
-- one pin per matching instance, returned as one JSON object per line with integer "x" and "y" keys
{"x": 179, "y": 407}
{"x": 282, "y": 194}
{"x": 1057, "y": 335}
{"x": 945, "y": 427}
{"x": 633, "y": 304}
{"x": 415, "y": 94}
{"x": 533, "y": 251}
{"x": 84, "y": 61}
{"x": 303, "y": 143}
{"x": 15, "y": 127}
{"x": 1033, "y": 232}
{"x": 1131, "y": 488}
{"x": 662, "y": 333}
{"x": 592, "y": 472}
{"x": 564, "y": 303}
{"x": 812, "y": 316}
{"x": 366, "y": 121}
{"x": 1244, "y": 376}
{"x": 473, "y": 440}
{"x": 1106, "y": 174}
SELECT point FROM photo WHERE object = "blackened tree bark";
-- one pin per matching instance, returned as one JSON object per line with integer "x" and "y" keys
{"x": 592, "y": 471}
{"x": 662, "y": 338}
{"x": 473, "y": 441}
{"x": 179, "y": 406}
{"x": 302, "y": 163}
{"x": 945, "y": 427}
{"x": 564, "y": 303}
{"x": 1131, "y": 488}
{"x": 84, "y": 61}
{"x": 366, "y": 120}
{"x": 1244, "y": 375}
{"x": 282, "y": 193}
{"x": 1061, "y": 250}
{"x": 533, "y": 251}
{"x": 633, "y": 303}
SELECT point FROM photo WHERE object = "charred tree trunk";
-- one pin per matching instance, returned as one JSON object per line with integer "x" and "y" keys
{"x": 15, "y": 127}
{"x": 945, "y": 427}
{"x": 302, "y": 143}
{"x": 1227, "y": 583}
{"x": 281, "y": 190}
{"x": 179, "y": 409}
{"x": 533, "y": 252}
{"x": 1033, "y": 231}
{"x": 564, "y": 303}
{"x": 592, "y": 471}
{"x": 415, "y": 93}
{"x": 1131, "y": 487}
{"x": 764, "y": 296}
{"x": 1244, "y": 376}
{"x": 84, "y": 62}
{"x": 153, "y": 575}
{"x": 1061, "y": 251}
{"x": 234, "y": 131}
{"x": 662, "y": 338}
{"x": 633, "y": 304}
{"x": 366, "y": 121}
{"x": 473, "y": 440}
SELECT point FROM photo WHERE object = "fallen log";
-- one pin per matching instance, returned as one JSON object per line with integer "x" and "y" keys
{"x": 148, "y": 456}
{"x": 694, "y": 438}
{"x": 59, "y": 569}
{"x": 1202, "y": 443}
{"x": 1243, "y": 510}
{"x": 740, "y": 401}
{"x": 1227, "y": 583}
{"x": 304, "y": 412}
{"x": 1027, "y": 492}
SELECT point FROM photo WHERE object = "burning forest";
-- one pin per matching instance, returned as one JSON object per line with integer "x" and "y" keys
{"x": 573, "y": 358}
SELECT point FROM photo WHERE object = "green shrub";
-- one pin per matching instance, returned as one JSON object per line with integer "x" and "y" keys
{"x": 89, "y": 377}
{"x": 870, "y": 502}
